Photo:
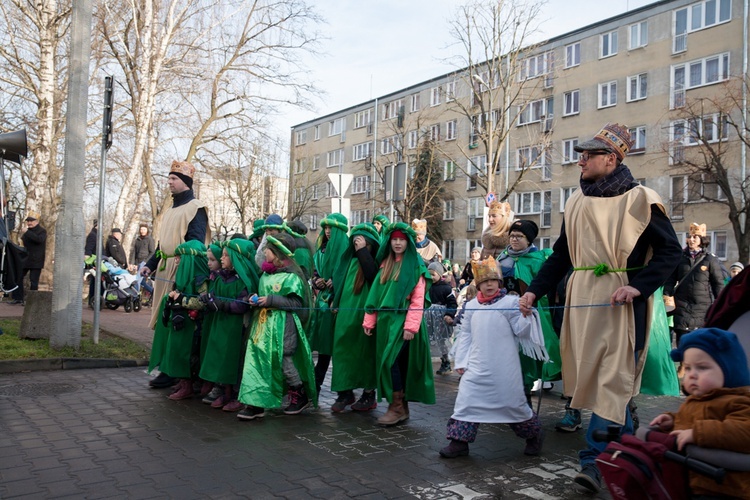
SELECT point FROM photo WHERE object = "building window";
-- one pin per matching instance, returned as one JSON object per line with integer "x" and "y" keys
{"x": 335, "y": 158}
{"x": 608, "y": 44}
{"x": 435, "y": 132}
{"x": 435, "y": 93}
{"x": 447, "y": 209}
{"x": 474, "y": 211}
{"x": 476, "y": 168}
{"x": 315, "y": 196}
{"x": 449, "y": 170}
{"x": 701, "y": 15}
{"x": 534, "y": 111}
{"x": 301, "y": 137}
{"x": 545, "y": 242}
{"x": 359, "y": 217}
{"x": 299, "y": 166}
{"x": 450, "y": 130}
{"x": 565, "y": 194}
{"x": 638, "y": 35}
{"x": 573, "y": 55}
{"x": 312, "y": 222}
{"x": 607, "y": 94}
{"x": 637, "y": 87}
{"x": 450, "y": 91}
{"x": 718, "y": 244}
{"x": 317, "y": 132}
{"x": 695, "y": 188}
{"x": 363, "y": 118}
{"x": 316, "y": 162}
{"x": 361, "y": 184}
{"x": 330, "y": 190}
{"x": 361, "y": 151}
{"x": 532, "y": 157}
{"x": 537, "y": 65}
{"x": 336, "y": 126}
{"x": 571, "y": 103}
{"x": 415, "y": 105}
{"x": 529, "y": 203}
{"x": 392, "y": 109}
{"x": 390, "y": 144}
{"x": 413, "y": 139}
{"x": 569, "y": 154}
{"x": 710, "y": 128}
{"x": 448, "y": 248}
{"x": 638, "y": 135}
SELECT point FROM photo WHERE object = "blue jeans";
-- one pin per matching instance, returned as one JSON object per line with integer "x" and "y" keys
{"x": 588, "y": 455}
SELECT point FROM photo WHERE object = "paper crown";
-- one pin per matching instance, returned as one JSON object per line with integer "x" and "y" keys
{"x": 485, "y": 270}
{"x": 501, "y": 208}
{"x": 697, "y": 229}
{"x": 31, "y": 215}
{"x": 612, "y": 137}
{"x": 419, "y": 226}
{"x": 182, "y": 167}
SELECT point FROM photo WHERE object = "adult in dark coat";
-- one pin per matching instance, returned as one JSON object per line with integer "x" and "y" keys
{"x": 143, "y": 246}
{"x": 90, "y": 247}
{"x": 695, "y": 283}
{"x": 35, "y": 242}
{"x": 113, "y": 248}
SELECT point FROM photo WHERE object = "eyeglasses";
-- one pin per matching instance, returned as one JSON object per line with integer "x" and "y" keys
{"x": 516, "y": 236}
{"x": 588, "y": 154}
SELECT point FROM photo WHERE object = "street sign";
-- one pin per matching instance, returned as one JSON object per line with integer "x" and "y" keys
{"x": 490, "y": 198}
{"x": 341, "y": 182}
{"x": 342, "y": 206}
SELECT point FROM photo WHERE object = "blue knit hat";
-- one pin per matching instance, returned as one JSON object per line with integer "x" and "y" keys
{"x": 723, "y": 347}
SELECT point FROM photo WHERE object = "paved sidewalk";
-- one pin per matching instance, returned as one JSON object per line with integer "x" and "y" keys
{"x": 104, "y": 434}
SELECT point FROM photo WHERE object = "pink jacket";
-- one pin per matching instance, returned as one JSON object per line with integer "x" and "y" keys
{"x": 413, "y": 315}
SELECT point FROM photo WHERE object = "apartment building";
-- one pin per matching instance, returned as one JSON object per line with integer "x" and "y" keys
{"x": 665, "y": 70}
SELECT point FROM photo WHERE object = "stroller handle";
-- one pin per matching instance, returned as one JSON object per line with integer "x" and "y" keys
{"x": 715, "y": 473}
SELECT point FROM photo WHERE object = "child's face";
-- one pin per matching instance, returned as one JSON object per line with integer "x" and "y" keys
{"x": 377, "y": 225}
{"x": 226, "y": 260}
{"x": 398, "y": 245}
{"x": 327, "y": 232}
{"x": 268, "y": 254}
{"x": 176, "y": 260}
{"x": 702, "y": 373}
{"x": 489, "y": 287}
{"x": 435, "y": 276}
{"x": 213, "y": 264}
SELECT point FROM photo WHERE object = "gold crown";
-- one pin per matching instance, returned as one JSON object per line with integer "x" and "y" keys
{"x": 485, "y": 270}
{"x": 501, "y": 208}
{"x": 697, "y": 229}
{"x": 419, "y": 226}
{"x": 31, "y": 215}
{"x": 182, "y": 167}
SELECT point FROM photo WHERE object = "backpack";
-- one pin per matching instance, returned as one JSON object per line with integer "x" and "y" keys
{"x": 635, "y": 469}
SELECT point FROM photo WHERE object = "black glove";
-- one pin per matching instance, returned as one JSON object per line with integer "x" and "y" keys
{"x": 204, "y": 298}
{"x": 211, "y": 303}
{"x": 178, "y": 321}
{"x": 166, "y": 312}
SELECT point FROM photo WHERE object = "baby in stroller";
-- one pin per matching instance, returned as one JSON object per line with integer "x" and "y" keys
{"x": 120, "y": 287}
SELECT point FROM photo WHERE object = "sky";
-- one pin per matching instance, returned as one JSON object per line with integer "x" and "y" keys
{"x": 375, "y": 47}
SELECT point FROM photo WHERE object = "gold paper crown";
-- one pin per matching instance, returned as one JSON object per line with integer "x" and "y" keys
{"x": 182, "y": 167}
{"x": 419, "y": 226}
{"x": 502, "y": 208}
{"x": 485, "y": 270}
{"x": 697, "y": 229}
{"x": 32, "y": 215}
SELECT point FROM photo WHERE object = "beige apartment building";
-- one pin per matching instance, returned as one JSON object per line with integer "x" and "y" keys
{"x": 661, "y": 70}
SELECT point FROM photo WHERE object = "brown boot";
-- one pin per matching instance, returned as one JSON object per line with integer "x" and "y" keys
{"x": 396, "y": 412}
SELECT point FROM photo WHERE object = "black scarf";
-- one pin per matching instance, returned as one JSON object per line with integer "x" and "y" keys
{"x": 613, "y": 184}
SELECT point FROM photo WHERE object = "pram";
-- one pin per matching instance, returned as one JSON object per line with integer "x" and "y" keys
{"x": 119, "y": 287}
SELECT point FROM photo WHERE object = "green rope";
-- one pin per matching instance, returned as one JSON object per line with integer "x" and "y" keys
{"x": 602, "y": 269}
{"x": 163, "y": 257}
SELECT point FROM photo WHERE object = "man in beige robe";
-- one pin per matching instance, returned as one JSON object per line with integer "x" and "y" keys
{"x": 622, "y": 247}
{"x": 186, "y": 220}
{"x": 426, "y": 248}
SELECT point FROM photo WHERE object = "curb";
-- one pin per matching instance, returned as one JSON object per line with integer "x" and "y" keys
{"x": 29, "y": 365}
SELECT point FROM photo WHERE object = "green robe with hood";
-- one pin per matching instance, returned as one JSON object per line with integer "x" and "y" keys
{"x": 390, "y": 300}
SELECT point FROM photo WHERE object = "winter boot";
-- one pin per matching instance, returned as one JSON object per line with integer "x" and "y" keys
{"x": 445, "y": 366}
{"x": 344, "y": 399}
{"x": 455, "y": 449}
{"x": 298, "y": 400}
{"x": 396, "y": 412}
{"x": 184, "y": 390}
{"x": 366, "y": 401}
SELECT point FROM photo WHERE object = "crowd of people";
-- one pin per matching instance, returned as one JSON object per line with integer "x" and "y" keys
{"x": 238, "y": 321}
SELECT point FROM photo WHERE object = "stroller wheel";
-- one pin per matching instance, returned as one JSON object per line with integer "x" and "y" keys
{"x": 111, "y": 306}
{"x": 136, "y": 305}
{"x": 128, "y": 306}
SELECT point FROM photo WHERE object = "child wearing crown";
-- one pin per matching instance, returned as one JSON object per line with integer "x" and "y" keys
{"x": 486, "y": 355}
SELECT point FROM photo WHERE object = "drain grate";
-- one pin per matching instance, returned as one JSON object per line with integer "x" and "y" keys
{"x": 31, "y": 390}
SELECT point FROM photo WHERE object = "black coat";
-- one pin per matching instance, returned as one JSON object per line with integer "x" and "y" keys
{"x": 114, "y": 249}
{"x": 143, "y": 247}
{"x": 90, "y": 248}
{"x": 35, "y": 242}
{"x": 696, "y": 290}
{"x": 441, "y": 293}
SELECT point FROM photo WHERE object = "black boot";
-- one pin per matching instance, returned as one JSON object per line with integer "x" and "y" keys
{"x": 298, "y": 400}
{"x": 445, "y": 366}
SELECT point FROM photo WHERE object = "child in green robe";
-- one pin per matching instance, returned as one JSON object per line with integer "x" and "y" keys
{"x": 278, "y": 354}
{"x": 395, "y": 306}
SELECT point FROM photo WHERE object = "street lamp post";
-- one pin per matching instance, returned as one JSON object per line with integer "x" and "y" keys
{"x": 490, "y": 140}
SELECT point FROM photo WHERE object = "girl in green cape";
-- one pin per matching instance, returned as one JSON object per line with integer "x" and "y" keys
{"x": 381, "y": 223}
{"x": 210, "y": 391}
{"x": 236, "y": 281}
{"x": 354, "y": 353}
{"x": 331, "y": 245}
{"x": 394, "y": 308}
{"x": 179, "y": 315}
{"x": 278, "y": 354}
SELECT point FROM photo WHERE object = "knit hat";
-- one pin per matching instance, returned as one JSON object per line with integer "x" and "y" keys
{"x": 485, "y": 270}
{"x": 697, "y": 229}
{"x": 437, "y": 267}
{"x": 723, "y": 347}
{"x": 419, "y": 226}
{"x": 116, "y": 230}
{"x": 613, "y": 138}
{"x": 184, "y": 170}
{"x": 737, "y": 265}
{"x": 476, "y": 249}
{"x": 274, "y": 221}
{"x": 527, "y": 227}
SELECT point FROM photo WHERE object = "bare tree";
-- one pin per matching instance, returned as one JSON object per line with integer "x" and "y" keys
{"x": 705, "y": 143}
{"x": 496, "y": 67}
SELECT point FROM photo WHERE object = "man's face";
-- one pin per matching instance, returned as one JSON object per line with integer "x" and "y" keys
{"x": 143, "y": 231}
{"x": 176, "y": 185}
{"x": 596, "y": 165}
{"x": 32, "y": 223}
{"x": 421, "y": 237}
{"x": 118, "y": 236}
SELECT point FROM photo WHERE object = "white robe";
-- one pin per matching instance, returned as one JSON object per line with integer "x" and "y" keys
{"x": 491, "y": 389}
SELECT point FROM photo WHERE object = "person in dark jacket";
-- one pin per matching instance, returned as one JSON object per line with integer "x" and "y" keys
{"x": 113, "y": 248}
{"x": 35, "y": 242}
{"x": 695, "y": 283}
{"x": 143, "y": 246}
{"x": 90, "y": 247}
{"x": 439, "y": 317}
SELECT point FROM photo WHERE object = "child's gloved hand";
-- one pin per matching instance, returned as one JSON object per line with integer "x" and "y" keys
{"x": 178, "y": 321}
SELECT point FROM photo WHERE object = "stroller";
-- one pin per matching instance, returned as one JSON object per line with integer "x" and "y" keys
{"x": 648, "y": 465}
{"x": 119, "y": 287}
